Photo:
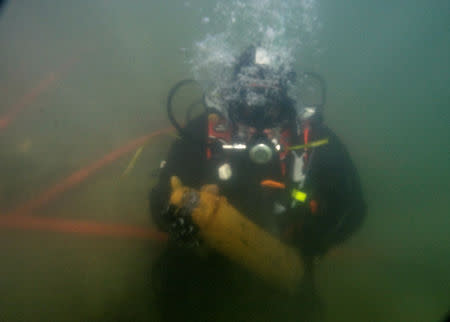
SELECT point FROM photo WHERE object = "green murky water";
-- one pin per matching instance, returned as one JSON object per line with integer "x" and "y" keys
{"x": 86, "y": 77}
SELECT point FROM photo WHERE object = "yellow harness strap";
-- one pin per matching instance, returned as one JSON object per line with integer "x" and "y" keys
{"x": 313, "y": 144}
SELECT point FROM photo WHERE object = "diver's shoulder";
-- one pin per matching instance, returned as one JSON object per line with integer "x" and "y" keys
{"x": 334, "y": 144}
{"x": 196, "y": 127}
{"x": 325, "y": 131}
{"x": 197, "y": 123}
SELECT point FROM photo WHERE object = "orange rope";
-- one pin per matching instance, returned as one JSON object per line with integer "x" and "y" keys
{"x": 43, "y": 85}
{"x": 80, "y": 227}
{"x": 81, "y": 175}
{"x": 115, "y": 230}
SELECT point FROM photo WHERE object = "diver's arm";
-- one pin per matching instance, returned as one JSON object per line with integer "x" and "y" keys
{"x": 185, "y": 160}
{"x": 354, "y": 207}
{"x": 337, "y": 192}
{"x": 159, "y": 197}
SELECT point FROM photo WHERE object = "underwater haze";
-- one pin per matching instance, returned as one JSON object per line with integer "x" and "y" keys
{"x": 83, "y": 88}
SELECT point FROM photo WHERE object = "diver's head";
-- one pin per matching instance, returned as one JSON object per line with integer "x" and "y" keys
{"x": 257, "y": 96}
{"x": 263, "y": 92}
{"x": 255, "y": 103}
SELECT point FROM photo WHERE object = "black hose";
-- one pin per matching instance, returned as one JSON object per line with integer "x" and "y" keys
{"x": 169, "y": 106}
{"x": 323, "y": 86}
{"x": 191, "y": 108}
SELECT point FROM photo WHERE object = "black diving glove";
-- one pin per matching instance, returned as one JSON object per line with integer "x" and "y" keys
{"x": 182, "y": 229}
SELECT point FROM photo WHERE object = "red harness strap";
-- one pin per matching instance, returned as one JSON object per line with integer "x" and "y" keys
{"x": 217, "y": 130}
{"x": 306, "y": 138}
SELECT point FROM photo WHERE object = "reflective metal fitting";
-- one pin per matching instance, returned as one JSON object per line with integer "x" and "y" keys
{"x": 261, "y": 153}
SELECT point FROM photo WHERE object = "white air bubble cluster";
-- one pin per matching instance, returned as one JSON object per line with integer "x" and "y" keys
{"x": 281, "y": 29}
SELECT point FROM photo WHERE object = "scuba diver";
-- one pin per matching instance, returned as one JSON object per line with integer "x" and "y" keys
{"x": 254, "y": 191}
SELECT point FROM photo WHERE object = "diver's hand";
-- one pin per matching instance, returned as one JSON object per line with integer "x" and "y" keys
{"x": 182, "y": 229}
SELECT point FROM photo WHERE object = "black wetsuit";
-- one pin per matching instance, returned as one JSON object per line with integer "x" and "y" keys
{"x": 209, "y": 288}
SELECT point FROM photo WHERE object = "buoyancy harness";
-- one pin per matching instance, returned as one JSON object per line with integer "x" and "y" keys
{"x": 219, "y": 133}
{"x": 225, "y": 137}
